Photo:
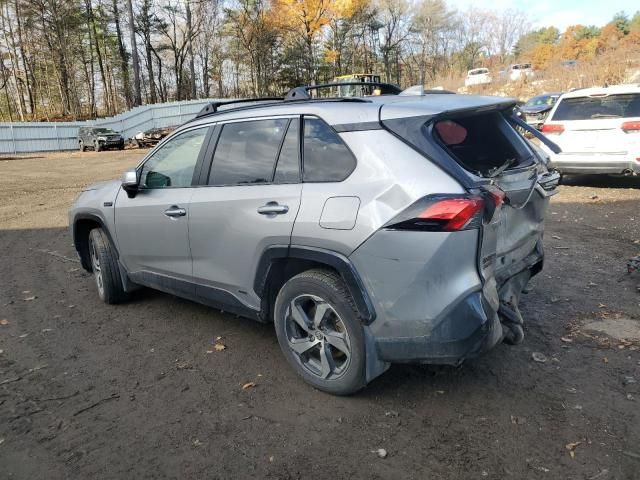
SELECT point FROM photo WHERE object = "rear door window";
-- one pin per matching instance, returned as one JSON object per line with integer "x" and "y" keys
{"x": 246, "y": 152}
{"x": 326, "y": 157}
{"x": 588, "y": 108}
{"x": 484, "y": 144}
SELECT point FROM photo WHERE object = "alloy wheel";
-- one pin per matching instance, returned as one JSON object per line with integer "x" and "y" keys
{"x": 317, "y": 336}
{"x": 95, "y": 265}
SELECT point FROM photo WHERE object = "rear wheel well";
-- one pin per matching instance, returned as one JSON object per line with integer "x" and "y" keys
{"x": 280, "y": 272}
{"x": 81, "y": 231}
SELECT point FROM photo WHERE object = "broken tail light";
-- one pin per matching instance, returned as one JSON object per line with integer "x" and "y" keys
{"x": 441, "y": 213}
{"x": 553, "y": 128}
{"x": 631, "y": 126}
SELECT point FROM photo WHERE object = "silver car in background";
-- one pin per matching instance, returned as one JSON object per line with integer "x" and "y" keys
{"x": 369, "y": 230}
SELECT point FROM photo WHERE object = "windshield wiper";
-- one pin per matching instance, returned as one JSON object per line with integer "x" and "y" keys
{"x": 498, "y": 170}
{"x": 604, "y": 115}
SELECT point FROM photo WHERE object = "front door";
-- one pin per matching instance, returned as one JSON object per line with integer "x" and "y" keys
{"x": 152, "y": 228}
{"x": 250, "y": 203}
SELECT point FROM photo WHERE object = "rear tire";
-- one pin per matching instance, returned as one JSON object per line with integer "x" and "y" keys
{"x": 104, "y": 265}
{"x": 320, "y": 333}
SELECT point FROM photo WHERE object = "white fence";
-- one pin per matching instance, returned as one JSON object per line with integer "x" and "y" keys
{"x": 28, "y": 137}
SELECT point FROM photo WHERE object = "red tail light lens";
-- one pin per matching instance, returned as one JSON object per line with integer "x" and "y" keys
{"x": 553, "y": 128}
{"x": 440, "y": 214}
{"x": 631, "y": 126}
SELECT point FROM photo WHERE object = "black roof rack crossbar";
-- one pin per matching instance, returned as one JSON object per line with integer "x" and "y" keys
{"x": 213, "y": 106}
{"x": 299, "y": 93}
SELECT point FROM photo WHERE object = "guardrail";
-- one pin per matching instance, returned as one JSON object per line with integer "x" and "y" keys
{"x": 26, "y": 137}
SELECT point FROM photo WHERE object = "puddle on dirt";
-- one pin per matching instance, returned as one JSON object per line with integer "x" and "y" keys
{"x": 618, "y": 328}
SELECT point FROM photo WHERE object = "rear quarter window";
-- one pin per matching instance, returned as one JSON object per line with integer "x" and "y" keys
{"x": 588, "y": 108}
{"x": 325, "y": 156}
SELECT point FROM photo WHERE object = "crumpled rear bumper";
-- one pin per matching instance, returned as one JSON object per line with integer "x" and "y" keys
{"x": 470, "y": 328}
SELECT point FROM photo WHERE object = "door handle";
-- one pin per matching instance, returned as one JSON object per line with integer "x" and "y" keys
{"x": 175, "y": 211}
{"x": 273, "y": 208}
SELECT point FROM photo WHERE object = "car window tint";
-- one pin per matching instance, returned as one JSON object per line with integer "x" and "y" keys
{"x": 326, "y": 157}
{"x": 173, "y": 163}
{"x": 246, "y": 152}
{"x": 288, "y": 169}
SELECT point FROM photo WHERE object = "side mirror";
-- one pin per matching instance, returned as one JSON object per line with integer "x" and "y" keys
{"x": 130, "y": 183}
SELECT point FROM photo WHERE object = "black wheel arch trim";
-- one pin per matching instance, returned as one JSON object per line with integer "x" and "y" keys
{"x": 94, "y": 217}
{"x": 332, "y": 259}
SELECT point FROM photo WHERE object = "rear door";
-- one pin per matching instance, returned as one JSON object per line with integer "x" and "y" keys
{"x": 247, "y": 201}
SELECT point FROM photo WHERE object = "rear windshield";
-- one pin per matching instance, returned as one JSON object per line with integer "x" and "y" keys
{"x": 587, "y": 108}
{"x": 541, "y": 101}
{"x": 484, "y": 144}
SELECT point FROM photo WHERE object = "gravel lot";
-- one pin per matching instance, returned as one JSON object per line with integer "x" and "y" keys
{"x": 137, "y": 391}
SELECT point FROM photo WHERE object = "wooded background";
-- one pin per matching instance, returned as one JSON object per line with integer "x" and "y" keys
{"x": 79, "y": 59}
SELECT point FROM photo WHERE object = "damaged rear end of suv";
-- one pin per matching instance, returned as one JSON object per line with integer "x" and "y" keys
{"x": 451, "y": 287}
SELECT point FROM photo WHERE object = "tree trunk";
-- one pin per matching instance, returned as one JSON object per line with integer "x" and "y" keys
{"x": 124, "y": 67}
{"x": 105, "y": 84}
{"x": 192, "y": 67}
{"x": 137, "y": 97}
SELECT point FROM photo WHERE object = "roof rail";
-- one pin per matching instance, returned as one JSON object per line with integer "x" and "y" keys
{"x": 213, "y": 106}
{"x": 302, "y": 93}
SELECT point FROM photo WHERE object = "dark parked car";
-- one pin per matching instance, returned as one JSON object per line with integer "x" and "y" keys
{"x": 152, "y": 136}
{"x": 99, "y": 138}
{"x": 535, "y": 111}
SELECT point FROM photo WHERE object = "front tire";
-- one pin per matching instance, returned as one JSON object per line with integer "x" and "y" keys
{"x": 96, "y": 146}
{"x": 104, "y": 265}
{"x": 82, "y": 147}
{"x": 320, "y": 333}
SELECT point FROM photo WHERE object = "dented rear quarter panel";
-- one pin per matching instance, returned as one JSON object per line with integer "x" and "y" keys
{"x": 389, "y": 177}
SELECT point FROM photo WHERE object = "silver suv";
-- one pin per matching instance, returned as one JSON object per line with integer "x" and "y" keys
{"x": 369, "y": 230}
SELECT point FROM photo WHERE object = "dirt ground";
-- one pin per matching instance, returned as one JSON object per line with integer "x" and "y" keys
{"x": 137, "y": 391}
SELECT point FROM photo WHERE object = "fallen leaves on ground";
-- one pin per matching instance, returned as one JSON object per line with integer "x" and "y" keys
{"x": 183, "y": 365}
{"x": 218, "y": 347}
{"x": 4, "y": 321}
{"x": 572, "y": 448}
{"x": 248, "y": 385}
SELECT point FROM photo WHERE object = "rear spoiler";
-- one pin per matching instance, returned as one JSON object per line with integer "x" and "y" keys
{"x": 550, "y": 145}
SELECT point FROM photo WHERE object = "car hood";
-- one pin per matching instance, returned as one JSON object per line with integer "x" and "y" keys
{"x": 536, "y": 109}
{"x": 104, "y": 186}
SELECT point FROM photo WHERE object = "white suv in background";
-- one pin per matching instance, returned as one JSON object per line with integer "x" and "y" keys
{"x": 477, "y": 76}
{"x": 598, "y": 130}
{"x": 520, "y": 71}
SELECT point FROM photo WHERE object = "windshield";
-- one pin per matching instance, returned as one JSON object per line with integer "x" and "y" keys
{"x": 541, "y": 100}
{"x": 610, "y": 106}
{"x": 104, "y": 131}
